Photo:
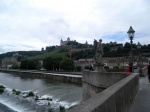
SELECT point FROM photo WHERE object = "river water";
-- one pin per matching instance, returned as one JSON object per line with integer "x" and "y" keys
{"x": 66, "y": 94}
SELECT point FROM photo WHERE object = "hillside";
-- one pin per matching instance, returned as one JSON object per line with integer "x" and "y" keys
{"x": 21, "y": 53}
{"x": 62, "y": 53}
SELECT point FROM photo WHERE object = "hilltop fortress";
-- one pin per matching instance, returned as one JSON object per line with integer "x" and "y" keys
{"x": 64, "y": 43}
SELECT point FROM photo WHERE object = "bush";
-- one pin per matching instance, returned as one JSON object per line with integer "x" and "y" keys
{"x": 36, "y": 98}
{"x": 87, "y": 67}
{"x": 49, "y": 99}
{"x": 31, "y": 94}
{"x": 14, "y": 90}
{"x": 18, "y": 92}
{"x": 106, "y": 67}
{"x": 2, "y": 89}
{"x": 1, "y": 86}
{"x": 78, "y": 68}
{"x": 50, "y": 110}
{"x": 115, "y": 67}
{"x": 62, "y": 109}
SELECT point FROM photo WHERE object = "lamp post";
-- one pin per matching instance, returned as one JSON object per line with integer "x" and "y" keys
{"x": 131, "y": 36}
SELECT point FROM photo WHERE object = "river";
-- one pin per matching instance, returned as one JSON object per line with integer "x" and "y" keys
{"x": 67, "y": 94}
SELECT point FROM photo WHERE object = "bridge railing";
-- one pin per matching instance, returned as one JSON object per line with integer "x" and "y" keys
{"x": 117, "y": 98}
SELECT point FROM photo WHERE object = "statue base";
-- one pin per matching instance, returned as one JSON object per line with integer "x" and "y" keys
{"x": 99, "y": 67}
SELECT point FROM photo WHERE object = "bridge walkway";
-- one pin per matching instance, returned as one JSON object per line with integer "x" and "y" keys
{"x": 142, "y": 100}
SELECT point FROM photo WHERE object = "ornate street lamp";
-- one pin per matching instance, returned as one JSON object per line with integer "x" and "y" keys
{"x": 131, "y": 36}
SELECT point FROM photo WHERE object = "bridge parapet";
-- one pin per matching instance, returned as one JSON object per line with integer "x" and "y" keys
{"x": 116, "y": 98}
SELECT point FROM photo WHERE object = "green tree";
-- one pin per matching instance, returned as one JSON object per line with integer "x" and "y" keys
{"x": 49, "y": 63}
{"x": 29, "y": 64}
{"x": 67, "y": 64}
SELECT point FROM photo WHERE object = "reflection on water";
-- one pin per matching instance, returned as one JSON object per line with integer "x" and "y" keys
{"x": 59, "y": 90}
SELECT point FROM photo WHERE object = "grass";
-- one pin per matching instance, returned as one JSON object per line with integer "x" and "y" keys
{"x": 52, "y": 53}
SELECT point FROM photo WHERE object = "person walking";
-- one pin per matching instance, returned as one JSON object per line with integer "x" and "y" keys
{"x": 148, "y": 67}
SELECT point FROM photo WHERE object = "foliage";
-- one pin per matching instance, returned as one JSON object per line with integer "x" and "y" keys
{"x": 15, "y": 67}
{"x": 50, "y": 48}
{"x": 36, "y": 98}
{"x": 83, "y": 54}
{"x": 22, "y": 53}
{"x": 31, "y": 94}
{"x": 2, "y": 89}
{"x": 78, "y": 68}
{"x": 50, "y": 54}
{"x": 62, "y": 109}
{"x": 29, "y": 64}
{"x": 58, "y": 62}
{"x": 50, "y": 110}
{"x": 87, "y": 67}
{"x": 16, "y": 92}
{"x": 1, "y": 86}
{"x": 67, "y": 64}
{"x": 48, "y": 63}
{"x": 115, "y": 67}
{"x": 106, "y": 67}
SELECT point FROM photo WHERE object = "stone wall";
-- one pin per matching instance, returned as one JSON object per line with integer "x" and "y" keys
{"x": 54, "y": 76}
{"x": 116, "y": 98}
{"x": 94, "y": 82}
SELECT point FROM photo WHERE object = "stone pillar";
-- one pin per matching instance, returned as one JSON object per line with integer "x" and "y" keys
{"x": 99, "y": 67}
{"x": 94, "y": 82}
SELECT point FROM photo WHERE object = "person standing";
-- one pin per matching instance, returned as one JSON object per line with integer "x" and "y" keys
{"x": 148, "y": 67}
{"x": 130, "y": 67}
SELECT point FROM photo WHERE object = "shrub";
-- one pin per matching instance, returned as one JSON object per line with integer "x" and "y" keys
{"x": 36, "y": 98}
{"x": 31, "y": 94}
{"x": 106, "y": 67}
{"x": 50, "y": 110}
{"x": 18, "y": 92}
{"x": 49, "y": 99}
{"x": 62, "y": 109}
{"x": 87, "y": 67}
{"x": 115, "y": 67}
{"x": 78, "y": 68}
{"x": 14, "y": 91}
{"x": 2, "y": 89}
{"x": 1, "y": 86}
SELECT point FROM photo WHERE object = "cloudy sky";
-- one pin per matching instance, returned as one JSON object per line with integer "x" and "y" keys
{"x": 33, "y": 24}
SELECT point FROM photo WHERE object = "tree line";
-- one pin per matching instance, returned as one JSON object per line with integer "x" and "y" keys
{"x": 50, "y": 63}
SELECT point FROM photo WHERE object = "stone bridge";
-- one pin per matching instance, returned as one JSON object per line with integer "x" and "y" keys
{"x": 111, "y": 92}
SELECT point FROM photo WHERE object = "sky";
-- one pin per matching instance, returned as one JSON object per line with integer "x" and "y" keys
{"x": 27, "y": 25}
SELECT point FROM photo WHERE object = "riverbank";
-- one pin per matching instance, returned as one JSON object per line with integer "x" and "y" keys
{"x": 46, "y": 75}
{"x": 51, "y": 94}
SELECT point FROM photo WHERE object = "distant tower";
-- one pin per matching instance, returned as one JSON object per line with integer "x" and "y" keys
{"x": 68, "y": 39}
{"x": 61, "y": 41}
{"x": 42, "y": 49}
{"x": 86, "y": 43}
